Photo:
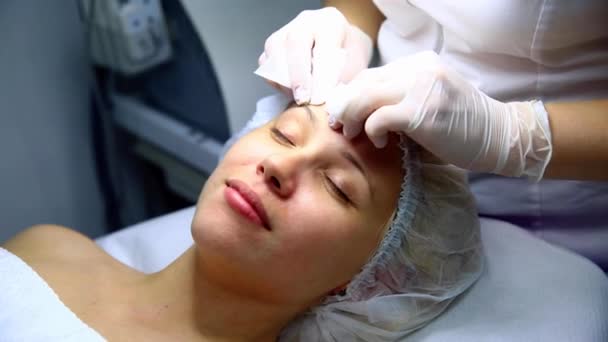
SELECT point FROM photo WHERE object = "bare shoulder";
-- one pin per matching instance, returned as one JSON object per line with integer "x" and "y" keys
{"x": 52, "y": 242}
{"x": 73, "y": 266}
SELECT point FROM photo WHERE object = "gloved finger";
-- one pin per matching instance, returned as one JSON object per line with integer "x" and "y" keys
{"x": 358, "y": 53}
{"x": 328, "y": 59}
{"x": 262, "y": 59}
{"x": 298, "y": 48}
{"x": 351, "y": 129}
{"x": 341, "y": 96}
{"x": 354, "y": 63}
{"x": 421, "y": 107}
{"x": 333, "y": 123}
{"x": 338, "y": 101}
{"x": 327, "y": 65}
{"x": 369, "y": 99}
{"x": 373, "y": 75}
{"x": 385, "y": 119}
{"x": 337, "y": 104}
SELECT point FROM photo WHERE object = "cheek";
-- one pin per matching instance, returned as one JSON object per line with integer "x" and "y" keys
{"x": 214, "y": 224}
{"x": 325, "y": 241}
{"x": 212, "y": 213}
{"x": 242, "y": 158}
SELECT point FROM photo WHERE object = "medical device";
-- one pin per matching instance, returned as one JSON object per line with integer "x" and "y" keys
{"x": 127, "y": 36}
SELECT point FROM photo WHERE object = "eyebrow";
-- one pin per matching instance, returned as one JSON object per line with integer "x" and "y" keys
{"x": 351, "y": 158}
{"x": 346, "y": 154}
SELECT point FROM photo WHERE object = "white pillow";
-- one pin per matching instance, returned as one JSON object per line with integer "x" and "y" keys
{"x": 529, "y": 291}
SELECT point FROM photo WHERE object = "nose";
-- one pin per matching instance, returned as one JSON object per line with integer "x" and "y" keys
{"x": 280, "y": 174}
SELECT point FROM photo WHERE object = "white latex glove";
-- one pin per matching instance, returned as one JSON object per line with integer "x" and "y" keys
{"x": 420, "y": 96}
{"x": 320, "y": 48}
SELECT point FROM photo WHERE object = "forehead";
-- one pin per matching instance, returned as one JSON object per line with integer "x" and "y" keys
{"x": 374, "y": 158}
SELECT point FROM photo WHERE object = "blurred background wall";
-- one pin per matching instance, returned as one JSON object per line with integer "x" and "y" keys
{"x": 47, "y": 173}
{"x": 49, "y": 167}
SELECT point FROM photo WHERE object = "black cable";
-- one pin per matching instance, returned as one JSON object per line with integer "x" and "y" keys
{"x": 99, "y": 105}
{"x": 111, "y": 203}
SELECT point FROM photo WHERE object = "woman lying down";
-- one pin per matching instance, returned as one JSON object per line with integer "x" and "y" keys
{"x": 300, "y": 235}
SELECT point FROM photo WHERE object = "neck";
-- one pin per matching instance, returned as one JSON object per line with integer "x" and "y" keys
{"x": 181, "y": 297}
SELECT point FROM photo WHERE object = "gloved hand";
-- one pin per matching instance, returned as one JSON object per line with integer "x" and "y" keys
{"x": 321, "y": 49}
{"x": 420, "y": 96}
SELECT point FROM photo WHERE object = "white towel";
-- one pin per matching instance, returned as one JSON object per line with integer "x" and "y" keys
{"x": 31, "y": 311}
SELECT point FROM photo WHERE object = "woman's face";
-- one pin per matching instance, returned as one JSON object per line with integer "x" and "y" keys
{"x": 327, "y": 202}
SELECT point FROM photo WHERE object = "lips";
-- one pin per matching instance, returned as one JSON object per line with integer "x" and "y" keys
{"x": 245, "y": 201}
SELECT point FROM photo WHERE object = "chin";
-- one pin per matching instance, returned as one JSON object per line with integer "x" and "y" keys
{"x": 216, "y": 229}
{"x": 208, "y": 217}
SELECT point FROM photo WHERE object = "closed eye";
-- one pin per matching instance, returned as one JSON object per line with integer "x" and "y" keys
{"x": 337, "y": 191}
{"x": 282, "y": 138}
{"x": 332, "y": 187}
